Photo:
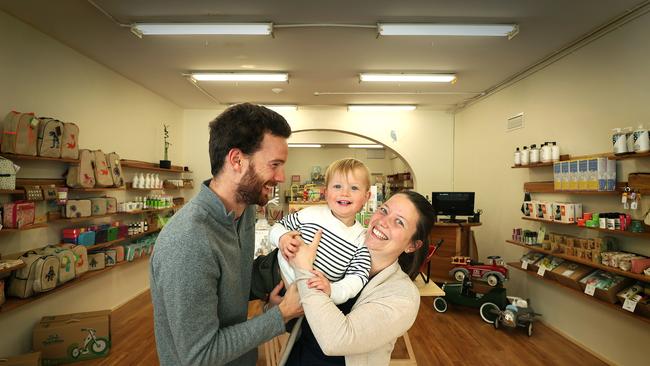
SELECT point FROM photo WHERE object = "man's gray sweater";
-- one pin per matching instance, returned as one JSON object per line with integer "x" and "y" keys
{"x": 200, "y": 275}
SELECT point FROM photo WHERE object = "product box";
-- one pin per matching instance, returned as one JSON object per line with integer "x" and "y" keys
{"x": 531, "y": 258}
{"x": 27, "y": 359}
{"x": 566, "y": 178}
{"x": 549, "y": 263}
{"x": 607, "y": 285}
{"x": 73, "y": 337}
{"x": 602, "y": 174}
{"x": 96, "y": 261}
{"x": 573, "y": 174}
{"x": 583, "y": 175}
{"x": 18, "y": 214}
{"x": 557, "y": 176}
{"x": 570, "y": 274}
{"x": 592, "y": 180}
{"x": 577, "y": 210}
{"x": 529, "y": 208}
{"x": 564, "y": 212}
{"x": 611, "y": 175}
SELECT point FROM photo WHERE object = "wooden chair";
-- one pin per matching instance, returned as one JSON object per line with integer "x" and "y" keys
{"x": 425, "y": 267}
{"x": 273, "y": 349}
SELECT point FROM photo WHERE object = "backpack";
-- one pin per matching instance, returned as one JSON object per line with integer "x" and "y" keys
{"x": 40, "y": 274}
{"x": 50, "y": 132}
{"x": 70, "y": 141}
{"x": 66, "y": 262}
{"x": 20, "y": 134}
{"x": 103, "y": 176}
{"x": 81, "y": 258}
{"x": 82, "y": 175}
{"x": 113, "y": 161}
{"x": 9, "y": 132}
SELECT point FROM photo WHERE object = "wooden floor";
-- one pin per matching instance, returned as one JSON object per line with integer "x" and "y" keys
{"x": 458, "y": 337}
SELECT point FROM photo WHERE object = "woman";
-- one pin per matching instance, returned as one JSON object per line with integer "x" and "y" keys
{"x": 364, "y": 329}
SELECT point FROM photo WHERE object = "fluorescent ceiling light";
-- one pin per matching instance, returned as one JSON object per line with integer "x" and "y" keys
{"x": 281, "y": 107}
{"x": 150, "y": 29}
{"x": 305, "y": 145}
{"x": 380, "y": 107}
{"x": 239, "y": 76}
{"x": 408, "y": 78}
{"x": 366, "y": 146}
{"x": 415, "y": 29}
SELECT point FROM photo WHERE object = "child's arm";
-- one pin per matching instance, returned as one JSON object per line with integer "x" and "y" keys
{"x": 283, "y": 234}
{"x": 355, "y": 278}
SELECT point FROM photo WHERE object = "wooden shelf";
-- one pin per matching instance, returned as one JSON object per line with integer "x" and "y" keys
{"x": 577, "y": 293}
{"x": 96, "y": 189}
{"x": 76, "y": 219}
{"x": 630, "y": 156}
{"x": 644, "y": 234}
{"x": 113, "y": 242}
{"x": 636, "y": 276}
{"x": 539, "y": 165}
{"x": 15, "y": 303}
{"x": 9, "y": 270}
{"x": 12, "y": 191}
{"x": 134, "y": 164}
{"x": 548, "y": 187}
{"x": 30, "y": 157}
{"x": 28, "y": 227}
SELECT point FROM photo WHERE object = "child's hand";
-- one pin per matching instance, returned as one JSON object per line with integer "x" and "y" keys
{"x": 320, "y": 282}
{"x": 289, "y": 244}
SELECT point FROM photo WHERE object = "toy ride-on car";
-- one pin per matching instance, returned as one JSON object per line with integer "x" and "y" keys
{"x": 493, "y": 273}
{"x": 517, "y": 314}
{"x": 461, "y": 293}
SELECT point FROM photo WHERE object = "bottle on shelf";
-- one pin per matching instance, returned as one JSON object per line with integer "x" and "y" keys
{"x": 156, "y": 181}
{"x": 141, "y": 181}
{"x": 147, "y": 181}
{"x": 136, "y": 181}
{"x": 546, "y": 155}
{"x": 641, "y": 140}
{"x": 619, "y": 141}
{"x": 629, "y": 138}
{"x": 555, "y": 152}
{"x": 525, "y": 156}
{"x": 517, "y": 157}
{"x": 534, "y": 154}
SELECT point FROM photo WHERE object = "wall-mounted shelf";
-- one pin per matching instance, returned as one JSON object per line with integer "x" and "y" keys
{"x": 96, "y": 189}
{"x": 11, "y": 269}
{"x": 636, "y": 276}
{"x": 548, "y": 187}
{"x": 540, "y": 165}
{"x": 42, "y": 158}
{"x": 12, "y": 191}
{"x": 137, "y": 212}
{"x": 577, "y": 293}
{"x": 27, "y": 227}
{"x": 607, "y": 231}
{"x": 114, "y": 242}
{"x": 630, "y": 156}
{"x": 134, "y": 164}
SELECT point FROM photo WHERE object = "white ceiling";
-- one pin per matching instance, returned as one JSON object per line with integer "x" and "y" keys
{"x": 319, "y": 59}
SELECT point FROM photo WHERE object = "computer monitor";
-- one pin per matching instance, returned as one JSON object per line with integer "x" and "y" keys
{"x": 453, "y": 204}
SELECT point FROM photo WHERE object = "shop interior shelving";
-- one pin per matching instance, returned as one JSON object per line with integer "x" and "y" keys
{"x": 118, "y": 241}
{"x": 548, "y": 187}
{"x": 630, "y": 156}
{"x": 644, "y": 234}
{"x": 43, "y": 158}
{"x": 24, "y": 228}
{"x": 134, "y": 164}
{"x": 539, "y": 165}
{"x": 12, "y": 191}
{"x": 618, "y": 308}
{"x": 636, "y": 276}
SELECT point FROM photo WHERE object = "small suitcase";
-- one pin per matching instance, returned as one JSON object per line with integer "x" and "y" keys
{"x": 111, "y": 205}
{"x": 96, "y": 261}
{"x": 111, "y": 257}
{"x": 98, "y": 206}
{"x": 18, "y": 214}
{"x": 77, "y": 208}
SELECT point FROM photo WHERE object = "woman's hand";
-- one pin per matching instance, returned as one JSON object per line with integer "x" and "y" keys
{"x": 306, "y": 254}
{"x": 320, "y": 282}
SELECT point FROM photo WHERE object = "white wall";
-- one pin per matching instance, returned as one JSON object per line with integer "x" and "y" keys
{"x": 39, "y": 74}
{"x": 576, "y": 101}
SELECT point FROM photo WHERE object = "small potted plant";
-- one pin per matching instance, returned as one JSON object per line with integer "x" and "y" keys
{"x": 166, "y": 164}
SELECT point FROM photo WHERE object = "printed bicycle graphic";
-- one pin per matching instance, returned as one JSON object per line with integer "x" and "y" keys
{"x": 92, "y": 343}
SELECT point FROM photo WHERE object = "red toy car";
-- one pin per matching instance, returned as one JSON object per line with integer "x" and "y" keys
{"x": 493, "y": 273}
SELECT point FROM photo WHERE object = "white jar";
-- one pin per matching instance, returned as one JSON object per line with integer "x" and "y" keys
{"x": 619, "y": 141}
{"x": 517, "y": 157}
{"x": 641, "y": 140}
{"x": 629, "y": 138}
{"x": 136, "y": 181}
{"x": 147, "y": 181}
{"x": 555, "y": 152}
{"x": 142, "y": 181}
{"x": 525, "y": 156}
{"x": 546, "y": 156}
{"x": 534, "y": 154}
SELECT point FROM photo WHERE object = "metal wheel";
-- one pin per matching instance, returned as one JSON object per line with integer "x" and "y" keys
{"x": 459, "y": 276}
{"x": 492, "y": 280}
{"x": 440, "y": 304}
{"x": 489, "y": 312}
{"x": 496, "y": 323}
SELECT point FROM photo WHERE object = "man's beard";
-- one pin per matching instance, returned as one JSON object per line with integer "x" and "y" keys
{"x": 249, "y": 190}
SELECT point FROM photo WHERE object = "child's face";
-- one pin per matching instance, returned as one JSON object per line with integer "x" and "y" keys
{"x": 346, "y": 195}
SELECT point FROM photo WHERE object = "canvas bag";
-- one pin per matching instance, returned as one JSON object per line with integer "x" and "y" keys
{"x": 103, "y": 177}
{"x": 77, "y": 208}
{"x": 66, "y": 262}
{"x": 81, "y": 258}
{"x": 96, "y": 261}
{"x": 50, "y": 133}
{"x": 98, "y": 206}
{"x": 115, "y": 167}
{"x": 82, "y": 175}
{"x": 7, "y": 174}
{"x": 26, "y": 134}
{"x": 9, "y": 126}
{"x": 70, "y": 141}
{"x": 111, "y": 205}
{"x": 40, "y": 274}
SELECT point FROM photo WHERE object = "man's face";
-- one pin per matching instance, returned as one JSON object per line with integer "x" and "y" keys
{"x": 264, "y": 170}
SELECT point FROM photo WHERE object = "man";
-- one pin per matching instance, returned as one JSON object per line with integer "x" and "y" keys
{"x": 202, "y": 263}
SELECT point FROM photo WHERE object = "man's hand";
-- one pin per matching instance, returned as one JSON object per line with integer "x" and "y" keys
{"x": 320, "y": 282}
{"x": 289, "y": 244}
{"x": 274, "y": 296}
{"x": 290, "y": 306}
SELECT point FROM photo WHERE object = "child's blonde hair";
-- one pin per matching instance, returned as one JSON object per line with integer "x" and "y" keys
{"x": 346, "y": 166}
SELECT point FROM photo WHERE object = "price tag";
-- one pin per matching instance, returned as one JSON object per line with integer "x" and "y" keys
{"x": 590, "y": 289}
{"x": 524, "y": 265}
{"x": 541, "y": 270}
{"x": 629, "y": 305}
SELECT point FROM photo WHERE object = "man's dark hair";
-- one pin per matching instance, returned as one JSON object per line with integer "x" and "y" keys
{"x": 243, "y": 126}
{"x": 410, "y": 262}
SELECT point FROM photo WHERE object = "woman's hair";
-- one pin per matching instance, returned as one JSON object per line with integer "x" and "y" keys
{"x": 411, "y": 262}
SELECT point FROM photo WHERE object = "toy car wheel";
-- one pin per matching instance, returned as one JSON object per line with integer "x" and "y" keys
{"x": 530, "y": 329}
{"x": 489, "y": 312}
{"x": 440, "y": 304}
{"x": 459, "y": 276}
{"x": 492, "y": 280}
{"x": 496, "y": 323}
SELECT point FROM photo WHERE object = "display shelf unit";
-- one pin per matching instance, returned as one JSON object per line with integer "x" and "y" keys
{"x": 577, "y": 293}
{"x": 12, "y": 191}
{"x": 24, "y": 228}
{"x": 636, "y": 276}
{"x": 548, "y": 187}
{"x": 96, "y": 189}
{"x": 134, "y": 164}
{"x": 118, "y": 241}
{"x": 137, "y": 212}
{"x": 644, "y": 234}
{"x": 129, "y": 187}
{"x": 42, "y": 158}
{"x": 399, "y": 181}
{"x": 11, "y": 269}
{"x": 630, "y": 156}
{"x": 539, "y": 165}
{"x": 16, "y": 303}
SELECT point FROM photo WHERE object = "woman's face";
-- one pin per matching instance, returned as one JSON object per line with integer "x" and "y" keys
{"x": 391, "y": 227}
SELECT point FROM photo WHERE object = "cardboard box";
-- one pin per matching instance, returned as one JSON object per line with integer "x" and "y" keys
{"x": 583, "y": 175}
{"x": 27, "y": 359}
{"x": 607, "y": 285}
{"x": 611, "y": 175}
{"x": 602, "y": 174}
{"x": 565, "y": 212}
{"x": 557, "y": 176}
{"x": 565, "y": 176}
{"x": 573, "y": 173}
{"x": 570, "y": 274}
{"x": 592, "y": 184}
{"x": 73, "y": 337}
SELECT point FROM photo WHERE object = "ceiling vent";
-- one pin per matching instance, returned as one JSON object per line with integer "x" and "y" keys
{"x": 515, "y": 122}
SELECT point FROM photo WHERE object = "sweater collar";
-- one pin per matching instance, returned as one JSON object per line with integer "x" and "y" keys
{"x": 209, "y": 200}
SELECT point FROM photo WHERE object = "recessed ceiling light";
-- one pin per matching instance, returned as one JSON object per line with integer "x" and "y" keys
{"x": 380, "y": 107}
{"x": 408, "y": 78}
{"x": 239, "y": 76}
{"x": 366, "y": 146}
{"x": 423, "y": 29}
{"x": 305, "y": 145}
{"x": 149, "y": 29}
